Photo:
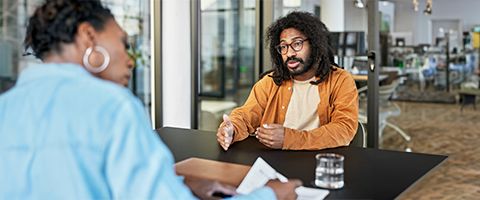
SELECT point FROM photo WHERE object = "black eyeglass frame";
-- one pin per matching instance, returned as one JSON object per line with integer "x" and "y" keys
{"x": 279, "y": 50}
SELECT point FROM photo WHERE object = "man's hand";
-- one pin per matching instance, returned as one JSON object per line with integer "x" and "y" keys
{"x": 204, "y": 189}
{"x": 225, "y": 133}
{"x": 271, "y": 135}
{"x": 285, "y": 191}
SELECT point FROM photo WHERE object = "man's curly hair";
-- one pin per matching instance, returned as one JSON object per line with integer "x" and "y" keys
{"x": 55, "y": 22}
{"x": 318, "y": 36}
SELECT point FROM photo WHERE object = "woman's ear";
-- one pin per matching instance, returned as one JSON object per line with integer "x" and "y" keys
{"x": 86, "y": 35}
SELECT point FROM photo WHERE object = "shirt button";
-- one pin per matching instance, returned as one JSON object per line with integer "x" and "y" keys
{"x": 289, "y": 88}
{"x": 283, "y": 107}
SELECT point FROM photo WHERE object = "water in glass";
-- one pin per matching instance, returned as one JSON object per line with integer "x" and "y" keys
{"x": 329, "y": 171}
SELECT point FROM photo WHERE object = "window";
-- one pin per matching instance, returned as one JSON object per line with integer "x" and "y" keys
{"x": 227, "y": 55}
{"x": 132, "y": 15}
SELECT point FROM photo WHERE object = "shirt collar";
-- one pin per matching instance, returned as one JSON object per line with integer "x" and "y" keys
{"x": 42, "y": 70}
{"x": 306, "y": 81}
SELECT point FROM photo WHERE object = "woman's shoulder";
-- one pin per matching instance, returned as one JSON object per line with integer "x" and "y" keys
{"x": 113, "y": 98}
{"x": 113, "y": 89}
{"x": 103, "y": 90}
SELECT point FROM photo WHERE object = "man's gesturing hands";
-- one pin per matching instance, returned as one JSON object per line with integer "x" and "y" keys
{"x": 271, "y": 135}
{"x": 225, "y": 133}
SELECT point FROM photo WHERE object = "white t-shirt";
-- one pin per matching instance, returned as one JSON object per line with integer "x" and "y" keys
{"x": 302, "y": 109}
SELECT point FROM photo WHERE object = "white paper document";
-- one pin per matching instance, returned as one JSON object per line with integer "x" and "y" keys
{"x": 261, "y": 172}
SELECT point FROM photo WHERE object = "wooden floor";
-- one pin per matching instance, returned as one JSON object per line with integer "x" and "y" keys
{"x": 440, "y": 129}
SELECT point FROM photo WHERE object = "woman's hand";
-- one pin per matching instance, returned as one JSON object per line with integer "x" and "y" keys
{"x": 204, "y": 189}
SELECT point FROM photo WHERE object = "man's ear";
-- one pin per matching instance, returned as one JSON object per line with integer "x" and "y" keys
{"x": 86, "y": 35}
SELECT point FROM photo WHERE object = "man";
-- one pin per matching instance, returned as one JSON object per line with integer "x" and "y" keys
{"x": 307, "y": 102}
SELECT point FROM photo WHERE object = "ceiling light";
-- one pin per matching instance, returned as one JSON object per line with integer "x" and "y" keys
{"x": 359, "y": 4}
{"x": 428, "y": 8}
{"x": 415, "y": 5}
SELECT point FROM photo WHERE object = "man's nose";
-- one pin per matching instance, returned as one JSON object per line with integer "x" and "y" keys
{"x": 291, "y": 52}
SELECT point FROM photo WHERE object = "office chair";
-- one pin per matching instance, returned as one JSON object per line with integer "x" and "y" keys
{"x": 386, "y": 109}
{"x": 360, "y": 138}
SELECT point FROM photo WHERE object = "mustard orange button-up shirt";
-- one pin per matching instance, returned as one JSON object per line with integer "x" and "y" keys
{"x": 337, "y": 111}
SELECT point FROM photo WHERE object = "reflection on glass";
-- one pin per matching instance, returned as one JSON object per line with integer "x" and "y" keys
{"x": 12, "y": 31}
{"x": 283, "y": 7}
{"x": 227, "y": 35}
{"x": 132, "y": 15}
{"x": 227, "y": 46}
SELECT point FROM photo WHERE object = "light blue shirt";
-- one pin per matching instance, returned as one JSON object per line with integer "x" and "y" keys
{"x": 65, "y": 134}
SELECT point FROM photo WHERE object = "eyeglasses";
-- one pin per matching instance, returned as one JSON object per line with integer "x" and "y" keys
{"x": 296, "y": 45}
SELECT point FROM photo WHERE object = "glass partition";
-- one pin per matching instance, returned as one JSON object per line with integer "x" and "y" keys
{"x": 132, "y": 15}
{"x": 226, "y": 71}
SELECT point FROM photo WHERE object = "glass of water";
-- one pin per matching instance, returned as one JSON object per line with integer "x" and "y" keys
{"x": 329, "y": 171}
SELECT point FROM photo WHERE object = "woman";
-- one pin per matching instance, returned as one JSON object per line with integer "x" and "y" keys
{"x": 71, "y": 130}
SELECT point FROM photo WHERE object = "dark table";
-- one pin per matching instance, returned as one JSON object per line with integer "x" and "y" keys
{"x": 369, "y": 173}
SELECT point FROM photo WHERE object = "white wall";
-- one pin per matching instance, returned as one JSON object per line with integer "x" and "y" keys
{"x": 176, "y": 64}
{"x": 355, "y": 18}
{"x": 388, "y": 11}
{"x": 405, "y": 16}
{"x": 309, "y": 5}
{"x": 333, "y": 14}
{"x": 406, "y": 19}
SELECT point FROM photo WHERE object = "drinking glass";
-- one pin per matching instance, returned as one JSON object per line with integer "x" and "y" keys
{"x": 329, "y": 171}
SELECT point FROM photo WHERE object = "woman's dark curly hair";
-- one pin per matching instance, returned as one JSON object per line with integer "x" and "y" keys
{"x": 318, "y": 36}
{"x": 56, "y": 22}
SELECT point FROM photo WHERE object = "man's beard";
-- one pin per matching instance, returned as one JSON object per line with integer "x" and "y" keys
{"x": 303, "y": 66}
